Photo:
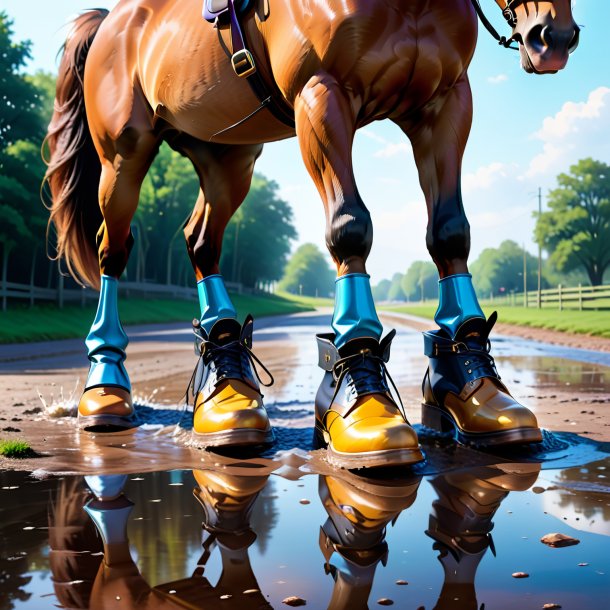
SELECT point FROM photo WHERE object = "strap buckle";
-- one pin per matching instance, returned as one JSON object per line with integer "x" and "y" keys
{"x": 243, "y": 63}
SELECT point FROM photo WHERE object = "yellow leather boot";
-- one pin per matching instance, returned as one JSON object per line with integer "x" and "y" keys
{"x": 357, "y": 418}
{"x": 464, "y": 395}
{"x": 229, "y": 407}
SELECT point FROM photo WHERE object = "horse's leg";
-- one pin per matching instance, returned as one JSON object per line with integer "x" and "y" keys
{"x": 228, "y": 404}
{"x": 107, "y": 397}
{"x": 462, "y": 389}
{"x": 356, "y": 416}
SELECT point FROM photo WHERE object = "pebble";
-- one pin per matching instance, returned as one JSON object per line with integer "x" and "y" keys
{"x": 549, "y": 606}
{"x": 384, "y": 601}
{"x": 402, "y": 582}
{"x": 583, "y": 564}
{"x": 293, "y": 600}
{"x": 304, "y": 501}
{"x": 251, "y": 591}
{"x": 520, "y": 575}
{"x": 559, "y": 540}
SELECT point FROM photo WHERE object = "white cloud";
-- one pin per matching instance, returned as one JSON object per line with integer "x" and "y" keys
{"x": 579, "y": 129}
{"x": 392, "y": 149}
{"x": 497, "y": 79}
{"x": 484, "y": 177}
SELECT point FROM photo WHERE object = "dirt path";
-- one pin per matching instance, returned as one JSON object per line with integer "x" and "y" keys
{"x": 566, "y": 387}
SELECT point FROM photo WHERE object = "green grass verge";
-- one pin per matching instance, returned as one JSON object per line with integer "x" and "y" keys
{"x": 46, "y": 322}
{"x": 595, "y": 323}
{"x": 311, "y": 302}
{"x": 16, "y": 449}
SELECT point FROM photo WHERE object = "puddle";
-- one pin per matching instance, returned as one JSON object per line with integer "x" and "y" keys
{"x": 242, "y": 536}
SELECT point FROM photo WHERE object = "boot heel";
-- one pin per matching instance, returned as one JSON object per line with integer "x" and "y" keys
{"x": 435, "y": 419}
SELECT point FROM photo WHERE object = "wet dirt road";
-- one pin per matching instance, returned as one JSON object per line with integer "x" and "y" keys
{"x": 566, "y": 387}
{"x": 159, "y": 523}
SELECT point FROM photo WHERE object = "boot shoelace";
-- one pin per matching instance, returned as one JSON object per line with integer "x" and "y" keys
{"x": 228, "y": 361}
{"x": 480, "y": 359}
{"x": 349, "y": 364}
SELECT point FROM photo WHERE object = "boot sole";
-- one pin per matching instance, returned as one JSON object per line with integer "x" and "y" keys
{"x": 437, "y": 419}
{"x": 234, "y": 438}
{"x": 107, "y": 423}
{"x": 383, "y": 458}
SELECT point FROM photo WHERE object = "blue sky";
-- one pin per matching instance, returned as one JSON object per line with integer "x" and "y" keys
{"x": 526, "y": 130}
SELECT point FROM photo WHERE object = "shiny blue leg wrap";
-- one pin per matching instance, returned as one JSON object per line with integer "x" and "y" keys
{"x": 214, "y": 300}
{"x": 457, "y": 303}
{"x": 354, "y": 314}
{"x": 106, "y": 341}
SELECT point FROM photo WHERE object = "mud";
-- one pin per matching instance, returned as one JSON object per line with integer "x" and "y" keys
{"x": 567, "y": 388}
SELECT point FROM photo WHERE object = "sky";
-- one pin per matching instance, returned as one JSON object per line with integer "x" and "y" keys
{"x": 526, "y": 130}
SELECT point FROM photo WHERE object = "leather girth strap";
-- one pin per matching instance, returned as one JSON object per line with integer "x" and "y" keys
{"x": 244, "y": 66}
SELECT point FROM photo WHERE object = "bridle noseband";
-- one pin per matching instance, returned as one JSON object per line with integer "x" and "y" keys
{"x": 509, "y": 14}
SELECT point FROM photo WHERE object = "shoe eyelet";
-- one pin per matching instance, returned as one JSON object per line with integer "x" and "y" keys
{"x": 467, "y": 363}
{"x": 470, "y": 370}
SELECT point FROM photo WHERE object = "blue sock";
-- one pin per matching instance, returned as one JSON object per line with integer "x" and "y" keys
{"x": 106, "y": 341}
{"x": 457, "y": 303}
{"x": 214, "y": 301}
{"x": 354, "y": 314}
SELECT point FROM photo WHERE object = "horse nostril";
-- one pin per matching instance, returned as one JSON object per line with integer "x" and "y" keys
{"x": 535, "y": 38}
{"x": 546, "y": 36}
{"x": 575, "y": 40}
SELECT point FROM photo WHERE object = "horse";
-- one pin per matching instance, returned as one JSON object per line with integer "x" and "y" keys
{"x": 153, "y": 70}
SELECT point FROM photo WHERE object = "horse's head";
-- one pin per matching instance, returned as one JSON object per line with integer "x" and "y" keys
{"x": 545, "y": 30}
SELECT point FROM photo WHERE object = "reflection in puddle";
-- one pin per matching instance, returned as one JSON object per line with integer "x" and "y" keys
{"x": 236, "y": 537}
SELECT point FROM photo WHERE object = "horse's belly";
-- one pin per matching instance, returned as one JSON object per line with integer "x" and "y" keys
{"x": 190, "y": 83}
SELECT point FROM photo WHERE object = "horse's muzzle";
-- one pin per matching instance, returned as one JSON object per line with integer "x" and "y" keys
{"x": 545, "y": 49}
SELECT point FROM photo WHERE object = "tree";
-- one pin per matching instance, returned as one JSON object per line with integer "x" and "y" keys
{"x": 19, "y": 106}
{"x": 576, "y": 229}
{"x": 381, "y": 290}
{"x": 307, "y": 272}
{"x": 421, "y": 281}
{"x": 167, "y": 198}
{"x": 396, "y": 293}
{"x": 500, "y": 270}
{"x": 257, "y": 240}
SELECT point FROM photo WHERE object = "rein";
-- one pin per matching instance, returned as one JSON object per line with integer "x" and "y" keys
{"x": 508, "y": 13}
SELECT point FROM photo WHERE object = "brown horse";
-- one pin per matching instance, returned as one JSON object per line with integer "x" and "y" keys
{"x": 154, "y": 70}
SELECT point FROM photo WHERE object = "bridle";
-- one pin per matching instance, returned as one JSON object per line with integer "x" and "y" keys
{"x": 509, "y": 14}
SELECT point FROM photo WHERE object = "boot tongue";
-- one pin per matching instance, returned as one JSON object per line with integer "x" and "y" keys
{"x": 474, "y": 332}
{"x": 361, "y": 344}
{"x": 224, "y": 331}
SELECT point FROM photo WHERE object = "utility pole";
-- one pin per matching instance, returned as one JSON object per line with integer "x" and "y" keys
{"x": 539, "y": 251}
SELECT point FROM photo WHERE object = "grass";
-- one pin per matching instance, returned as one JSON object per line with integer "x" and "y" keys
{"x": 595, "y": 323}
{"x": 311, "y": 302}
{"x": 16, "y": 449}
{"x": 47, "y": 322}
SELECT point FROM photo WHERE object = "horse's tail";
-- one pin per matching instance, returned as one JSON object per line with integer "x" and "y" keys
{"x": 74, "y": 168}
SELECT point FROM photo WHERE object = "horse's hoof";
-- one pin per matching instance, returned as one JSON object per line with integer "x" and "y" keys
{"x": 233, "y": 416}
{"x": 357, "y": 419}
{"x": 106, "y": 409}
{"x": 464, "y": 396}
